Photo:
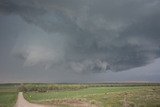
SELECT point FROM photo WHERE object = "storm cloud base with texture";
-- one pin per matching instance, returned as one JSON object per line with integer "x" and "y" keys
{"x": 85, "y": 36}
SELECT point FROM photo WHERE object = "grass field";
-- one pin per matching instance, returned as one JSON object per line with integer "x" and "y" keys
{"x": 8, "y": 95}
{"x": 97, "y": 95}
{"x": 137, "y": 96}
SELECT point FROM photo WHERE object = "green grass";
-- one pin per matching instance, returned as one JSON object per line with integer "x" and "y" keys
{"x": 36, "y": 97}
{"x": 140, "y": 96}
{"x": 7, "y": 99}
{"x": 8, "y": 95}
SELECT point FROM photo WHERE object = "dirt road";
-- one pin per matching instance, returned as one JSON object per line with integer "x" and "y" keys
{"x": 21, "y": 102}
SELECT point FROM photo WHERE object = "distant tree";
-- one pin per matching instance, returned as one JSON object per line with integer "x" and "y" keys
{"x": 22, "y": 88}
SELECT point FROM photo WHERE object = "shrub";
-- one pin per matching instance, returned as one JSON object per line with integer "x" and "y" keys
{"x": 22, "y": 89}
{"x": 42, "y": 89}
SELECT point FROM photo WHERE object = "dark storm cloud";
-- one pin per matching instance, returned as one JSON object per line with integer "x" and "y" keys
{"x": 97, "y": 35}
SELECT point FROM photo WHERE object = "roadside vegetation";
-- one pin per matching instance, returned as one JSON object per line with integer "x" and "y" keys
{"x": 100, "y": 95}
{"x": 8, "y": 95}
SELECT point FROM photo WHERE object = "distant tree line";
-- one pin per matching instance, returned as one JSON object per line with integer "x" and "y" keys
{"x": 71, "y": 87}
{"x": 45, "y": 88}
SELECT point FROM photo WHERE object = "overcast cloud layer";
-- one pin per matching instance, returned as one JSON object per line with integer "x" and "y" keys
{"x": 77, "y": 38}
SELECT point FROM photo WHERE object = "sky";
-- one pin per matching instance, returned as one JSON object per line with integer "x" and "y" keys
{"x": 79, "y": 41}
